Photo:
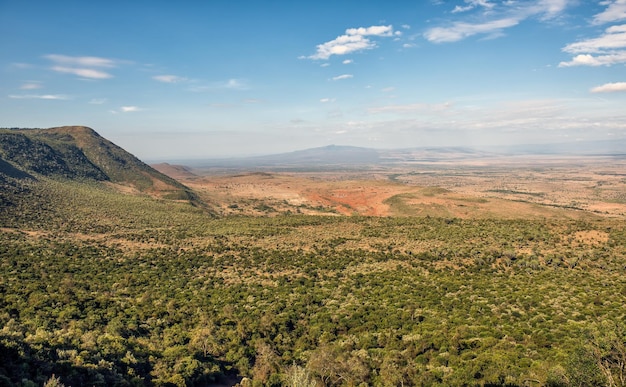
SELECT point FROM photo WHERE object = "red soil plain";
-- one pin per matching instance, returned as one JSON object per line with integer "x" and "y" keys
{"x": 506, "y": 187}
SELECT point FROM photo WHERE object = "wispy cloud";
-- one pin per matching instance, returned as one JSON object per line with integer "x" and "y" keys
{"x": 342, "y": 76}
{"x": 354, "y": 40}
{"x": 83, "y": 73}
{"x": 40, "y": 96}
{"x": 22, "y": 66}
{"x": 83, "y": 66}
{"x": 169, "y": 78}
{"x": 234, "y": 83}
{"x": 494, "y": 19}
{"x": 605, "y": 50}
{"x": 348, "y": 61}
{"x": 460, "y": 30}
{"x": 98, "y": 101}
{"x": 613, "y": 38}
{"x": 130, "y": 109}
{"x": 31, "y": 85}
{"x": 81, "y": 61}
{"x": 615, "y": 11}
{"x": 599, "y": 60}
{"x": 610, "y": 88}
{"x": 410, "y": 108}
{"x": 229, "y": 84}
{"x": 471, "y": 4}
{"x": 327, "y": 100}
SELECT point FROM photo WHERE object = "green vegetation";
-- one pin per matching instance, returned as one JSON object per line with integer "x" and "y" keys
{"x": 79, "y": 153}
{"x": 99, "y": 288}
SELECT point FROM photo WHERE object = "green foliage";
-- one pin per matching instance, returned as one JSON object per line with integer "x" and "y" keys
{"x": 79, "y": 153}
{"x": 99, "y": 288}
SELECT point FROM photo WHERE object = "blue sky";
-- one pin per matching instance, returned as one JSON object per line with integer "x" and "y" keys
{"x": 202, "y": 79}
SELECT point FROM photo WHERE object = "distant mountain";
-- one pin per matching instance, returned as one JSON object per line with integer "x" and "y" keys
{"x": 334, "y": 156}
{"x": 79, "y": 153}
{"x": 325, "y": 157}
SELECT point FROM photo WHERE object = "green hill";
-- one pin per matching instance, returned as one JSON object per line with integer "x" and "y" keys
{"x": 79, "y": 153}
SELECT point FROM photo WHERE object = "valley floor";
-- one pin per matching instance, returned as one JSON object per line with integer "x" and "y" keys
{"x": 467, "y": 275}
{"x": 512, "y": 187}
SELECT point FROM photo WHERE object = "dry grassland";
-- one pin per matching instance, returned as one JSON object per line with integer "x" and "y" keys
{"x": 513, "y": 187}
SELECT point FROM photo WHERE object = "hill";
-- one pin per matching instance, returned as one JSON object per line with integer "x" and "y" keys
{"x": 327, "y": 157}
{"x": 79, "y": 153}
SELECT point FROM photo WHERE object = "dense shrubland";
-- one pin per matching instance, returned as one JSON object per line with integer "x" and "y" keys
{"x": 98, "y": 288}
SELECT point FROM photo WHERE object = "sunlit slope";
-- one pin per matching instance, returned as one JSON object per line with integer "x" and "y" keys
{"x": 79, "y": 153}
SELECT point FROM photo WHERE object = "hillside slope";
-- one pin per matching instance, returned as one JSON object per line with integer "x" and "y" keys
{"x": 79, "y": 153}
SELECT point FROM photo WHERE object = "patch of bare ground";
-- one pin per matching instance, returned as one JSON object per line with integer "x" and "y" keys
{"x": 512, "y": 187}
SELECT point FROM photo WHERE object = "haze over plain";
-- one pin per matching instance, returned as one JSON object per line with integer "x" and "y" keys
{"x": 230, "y": 78}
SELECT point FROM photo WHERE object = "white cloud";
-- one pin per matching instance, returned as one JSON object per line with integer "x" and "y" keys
{"x": 610, "y": 49}
{"x": 40, "y": 96}
{"x": 615, "y": 11}
{"x": 594, "y": 61}
{"x": 325, "y": 64}
{"x": 369, "y": 31}
{"x": 613, "y": 38}
{"x": 31, "y": 86}
{"x": 495, "y": 19}
{"x": 610, "y": 88}
{"x": 83, "y": 66}
{"x": 460, "y": 30}
{"x": 169, "y": 78}
{"x": 98, "y": 101}
{"x": 237, "y": 84}
{"x": 82, "y": 61}
{"x": 342, "y": 76}
{"x": 347, "y": 61}
{"x": 471, "y": 4}
{"x": 84, "y": 73}
{"x": 129, "y": 109}
{"x": 355, "y": 39}
{"x": 22, "y": 65}
{"x": 326, "y": 100}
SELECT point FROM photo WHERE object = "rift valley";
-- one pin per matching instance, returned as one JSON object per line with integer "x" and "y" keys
{"x": 409, "y": 268}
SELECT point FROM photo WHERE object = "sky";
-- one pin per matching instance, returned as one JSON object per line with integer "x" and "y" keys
{"x": 220, "y": 78}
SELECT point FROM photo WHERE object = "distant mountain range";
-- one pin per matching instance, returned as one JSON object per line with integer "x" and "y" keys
{"x": 78, "y": 153}
{"x": 335, "y": 156}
